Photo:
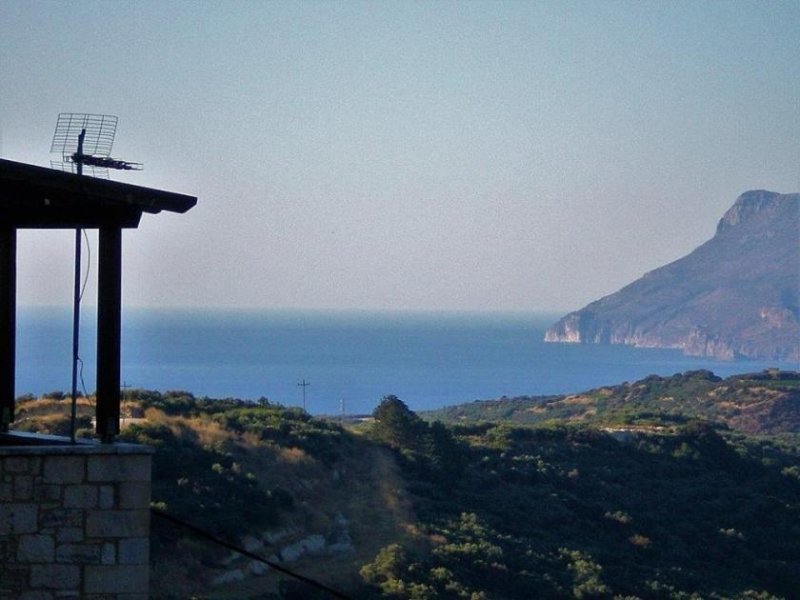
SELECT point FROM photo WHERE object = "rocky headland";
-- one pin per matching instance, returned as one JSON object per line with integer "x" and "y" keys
{"x": 736, "y": 296}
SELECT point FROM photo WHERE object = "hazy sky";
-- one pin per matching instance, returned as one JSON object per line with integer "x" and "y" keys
{"x": 407, "y": 155}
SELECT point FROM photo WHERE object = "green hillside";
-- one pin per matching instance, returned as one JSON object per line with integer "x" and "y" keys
{"x": 603, "y": 498}
{"x": 766, "y": 402}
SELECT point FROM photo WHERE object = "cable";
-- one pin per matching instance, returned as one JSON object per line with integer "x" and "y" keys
{"x": 211, "y": 537}
{"x": 88, "y": 264}
{"x": 77, "y": 360}
{"x": 80, "y": 375}
{"x": 80, "y": 299}
{"x": 76, "y": 319}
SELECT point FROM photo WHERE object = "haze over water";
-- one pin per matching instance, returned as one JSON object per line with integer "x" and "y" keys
{"x": 427, "y": 359}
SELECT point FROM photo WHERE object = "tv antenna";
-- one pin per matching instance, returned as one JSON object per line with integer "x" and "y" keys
{"x": 84, "y": 140}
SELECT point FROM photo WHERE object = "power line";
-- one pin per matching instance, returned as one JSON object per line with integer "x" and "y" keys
{"x": 211, "y": 537}
{"x": 304, "y": 385}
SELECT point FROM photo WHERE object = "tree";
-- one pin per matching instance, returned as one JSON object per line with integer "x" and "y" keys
{"x": 445, "y": 452}
{"x": 397, "y": 425}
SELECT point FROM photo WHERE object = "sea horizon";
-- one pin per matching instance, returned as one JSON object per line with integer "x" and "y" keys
{"x": 350, "y": 357}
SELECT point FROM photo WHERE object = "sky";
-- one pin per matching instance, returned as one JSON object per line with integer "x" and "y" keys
{"x": 477, "y": 156}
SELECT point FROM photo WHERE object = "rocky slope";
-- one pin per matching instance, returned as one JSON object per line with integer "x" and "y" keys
{"x": 736, "y": 296}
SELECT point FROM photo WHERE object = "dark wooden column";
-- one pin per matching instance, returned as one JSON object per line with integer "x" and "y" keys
{"x": 109, "y": 328}
{"x": 8, "y": 322}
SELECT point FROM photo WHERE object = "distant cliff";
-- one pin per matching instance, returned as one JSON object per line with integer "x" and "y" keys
{"x": 736, "y": 296}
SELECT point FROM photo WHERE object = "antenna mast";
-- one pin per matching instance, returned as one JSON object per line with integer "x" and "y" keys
{"x": 84, "y": 139}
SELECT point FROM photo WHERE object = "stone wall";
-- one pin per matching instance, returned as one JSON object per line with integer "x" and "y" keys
{"x": 74, "y": 520}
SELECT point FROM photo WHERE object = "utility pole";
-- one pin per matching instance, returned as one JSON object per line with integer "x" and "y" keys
{"x": 123, "y": 390}
{"x": 304, "y": 385}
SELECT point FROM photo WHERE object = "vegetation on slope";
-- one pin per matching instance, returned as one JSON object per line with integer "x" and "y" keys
{"x": 272, "y": 478}
{"x": 663, "y": 504}
{"x": 572, "y": 512}
{"x": 767, "y": 402}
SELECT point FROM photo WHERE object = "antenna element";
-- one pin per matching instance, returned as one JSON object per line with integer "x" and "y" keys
{"x": 85, "y": 139}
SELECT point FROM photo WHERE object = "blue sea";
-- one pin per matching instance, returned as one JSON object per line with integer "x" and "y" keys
{"x": 350, "y": 359}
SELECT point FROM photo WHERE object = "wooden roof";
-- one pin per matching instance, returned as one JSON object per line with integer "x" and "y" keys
{"x": 37, "y": 197}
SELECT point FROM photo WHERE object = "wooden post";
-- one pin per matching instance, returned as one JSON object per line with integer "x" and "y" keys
{"x": 8, "y": 323}
{"x": 109, "y": 332}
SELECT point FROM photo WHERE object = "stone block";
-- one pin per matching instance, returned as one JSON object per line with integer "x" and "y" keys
{"x": 8, "y": 553}
{"x": 6, "y": 492}
{"x": 118, "y": 523}
{"x": 67, "y": 535}
{"x": 134, "y": 551}
{"x": 13, "y": 578}
{"x": 18, "y": 518}
{"x": 45, "y": 492}
{"x": 119, "y": 468}
{"x": 109, "y": 554}
{"x": 64, "y": 469}
{"x": 36, "y": 595}
{"x": 23, "y": 487}
{"x": 107, "y": 496}
{"x": 16, "y": 464}
{"x": 80, "y": 496}
{"x": 35, "y": 548}
{"x": 119, "y": 579}
{"x": 78, "y": 554}
{"x": 134, "y": 494}
{"x": 35, "y": 463}
{"x": 55, "y": 577}
{"x": 58, "y": 517}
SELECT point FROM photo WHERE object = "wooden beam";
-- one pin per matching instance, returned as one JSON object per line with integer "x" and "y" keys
{"x": 109, "y": 328}
{"x": 29, "y": 186}
{"x": 67, "y": 217}
{"x": 8, "y": 322}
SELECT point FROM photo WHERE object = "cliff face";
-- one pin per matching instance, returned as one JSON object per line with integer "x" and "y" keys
{"x": 736, "y": 296}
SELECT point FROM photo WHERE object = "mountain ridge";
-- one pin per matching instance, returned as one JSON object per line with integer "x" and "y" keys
{"x": 735, "y": 296}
